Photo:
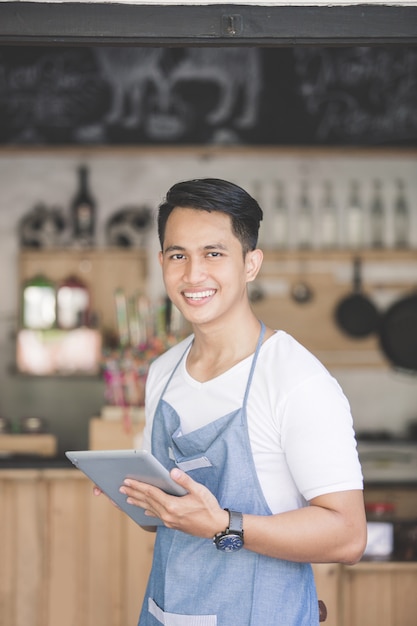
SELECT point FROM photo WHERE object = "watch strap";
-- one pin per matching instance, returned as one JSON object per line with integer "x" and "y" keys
{"x": 235, "y": 521}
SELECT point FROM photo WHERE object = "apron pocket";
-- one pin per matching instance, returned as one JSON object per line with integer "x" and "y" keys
{"x": 191, "y": 464}
{"x": 176, "y": 619}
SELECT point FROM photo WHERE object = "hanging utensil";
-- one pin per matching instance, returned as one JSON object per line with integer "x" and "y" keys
{"x": 301, "y": 291}
{"x": 356, "y": 314}
{"x": 398, "y": 333}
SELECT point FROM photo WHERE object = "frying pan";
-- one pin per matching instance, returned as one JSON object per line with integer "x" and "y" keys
{"x": 356, "y": 314}
{"x": 398, "y": 333}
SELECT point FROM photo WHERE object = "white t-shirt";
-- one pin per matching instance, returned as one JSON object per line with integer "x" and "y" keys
{"x": 299, "y": 420}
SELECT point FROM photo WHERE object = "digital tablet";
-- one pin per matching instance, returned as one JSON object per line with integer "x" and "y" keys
{"x": 108, "y": 469}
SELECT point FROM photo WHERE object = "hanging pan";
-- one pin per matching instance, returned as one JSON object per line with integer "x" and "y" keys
{"x": 398, "y": 333}
{"x": 356, "y": 315}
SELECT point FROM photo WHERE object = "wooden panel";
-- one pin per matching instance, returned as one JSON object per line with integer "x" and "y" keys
{"x": 119, "y": 562}
{"x": 380, "y": 594}
{"x": 138, "y": 555}
{"x": 67, "y": 557}
{"x": 404, "y": 586}
{"x": 66, "y": 551}
{"x": 22, "y": 558}
{"x": 42, "y": 444}
{"x": 368, "y": 599}
{"x": 117, "y": 269}
{"x": 328, "y": 581}
{"x": 28, "y": 557}
{"x": 8, "y": 549}
{"x": 113, "y": 435}
{"x": 136, "y": 549}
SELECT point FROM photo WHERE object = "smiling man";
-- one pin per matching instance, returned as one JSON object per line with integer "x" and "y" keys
{"x": 252, "y": 425}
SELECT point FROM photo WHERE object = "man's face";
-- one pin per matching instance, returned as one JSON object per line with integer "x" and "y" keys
{"x": 204, "y": 271}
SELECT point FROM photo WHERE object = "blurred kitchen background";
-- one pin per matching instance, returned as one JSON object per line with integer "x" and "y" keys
{"x": 90, "y": 141}
{"x": 303, "y": 130}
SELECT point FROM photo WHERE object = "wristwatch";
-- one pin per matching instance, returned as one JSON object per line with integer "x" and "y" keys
{"x": 231, "y": 539}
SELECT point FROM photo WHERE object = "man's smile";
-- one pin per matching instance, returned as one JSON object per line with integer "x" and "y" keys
{"x": 199, "y": 295}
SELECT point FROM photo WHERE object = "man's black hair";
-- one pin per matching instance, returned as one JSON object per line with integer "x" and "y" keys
{"x": 214, "y": 194}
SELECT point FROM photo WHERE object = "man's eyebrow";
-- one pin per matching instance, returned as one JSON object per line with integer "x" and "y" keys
{"x": 215, "y": 246}
{"x": 174, "y": 249}
{"x": 211, "y": 246}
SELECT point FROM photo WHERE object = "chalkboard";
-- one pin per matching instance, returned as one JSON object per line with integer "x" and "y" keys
{"x": 197, "y": 95}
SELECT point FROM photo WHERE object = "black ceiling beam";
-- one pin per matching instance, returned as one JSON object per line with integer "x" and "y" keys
{"x": 83, "y": 23}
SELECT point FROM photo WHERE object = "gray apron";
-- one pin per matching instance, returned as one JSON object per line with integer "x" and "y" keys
{"x": 191, "y": 582}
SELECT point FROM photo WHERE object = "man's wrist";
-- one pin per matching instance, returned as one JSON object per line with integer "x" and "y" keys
{"x": 231, "y": 538}
{"x": 223, "y": 522}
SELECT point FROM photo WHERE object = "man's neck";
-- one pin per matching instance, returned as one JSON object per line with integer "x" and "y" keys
{"x": 216, "y": 350}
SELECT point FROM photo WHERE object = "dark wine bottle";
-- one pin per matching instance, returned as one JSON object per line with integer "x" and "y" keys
{"x": 83, "y": 211}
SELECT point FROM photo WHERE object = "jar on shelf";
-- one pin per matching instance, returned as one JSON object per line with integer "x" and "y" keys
{"x": 73, "y": 304}
{"x": 38, "y": 303}
{"x": 380, "y": 525}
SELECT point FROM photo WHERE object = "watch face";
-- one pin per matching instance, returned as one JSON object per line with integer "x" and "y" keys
{"x": 229, "y": 542}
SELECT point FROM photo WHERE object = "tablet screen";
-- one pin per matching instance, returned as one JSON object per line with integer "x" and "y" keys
{"x": 109, "y": 468}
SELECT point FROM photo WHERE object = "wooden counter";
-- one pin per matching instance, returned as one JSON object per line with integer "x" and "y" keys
{"x": 380, "y": 594}
{"x": 70, "y": 558}
{"x": 67, "y": 557}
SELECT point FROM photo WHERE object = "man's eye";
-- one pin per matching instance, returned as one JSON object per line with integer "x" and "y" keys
{"x": 177, "y": 256}
{"x": 214, "y": 254}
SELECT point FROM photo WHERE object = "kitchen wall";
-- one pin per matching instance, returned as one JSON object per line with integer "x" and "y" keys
{"x": 380, "y": 399}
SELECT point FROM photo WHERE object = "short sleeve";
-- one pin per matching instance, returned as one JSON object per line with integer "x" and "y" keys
{"x": 318, "y": 438}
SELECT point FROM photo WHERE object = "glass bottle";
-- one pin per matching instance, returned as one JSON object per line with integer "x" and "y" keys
{"x": 304, "y": 219}
{"x": 73, "y": 303}
{"x": 329, "y": 218}
{"x": 377, "y": 216}
{"x": 83, "y": 210}
{"x": 354, "y": 217}
{"x": 279, "y": 225}
{"x": 401, "y": 217}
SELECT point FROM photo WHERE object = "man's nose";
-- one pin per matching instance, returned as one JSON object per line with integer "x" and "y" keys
{"x": 195, "y": 271}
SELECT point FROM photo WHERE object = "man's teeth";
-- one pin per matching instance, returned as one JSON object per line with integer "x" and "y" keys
{"x": 199, "y": 295}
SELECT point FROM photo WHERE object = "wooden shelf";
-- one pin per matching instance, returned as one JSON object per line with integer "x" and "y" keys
{"x": 42, "y": 444}
{"x": 343, "y": 254}
{"x": 102, "y": 270}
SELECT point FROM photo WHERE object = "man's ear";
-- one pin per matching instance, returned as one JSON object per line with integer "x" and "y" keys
{"x": 160, "y": 257}
{"x": 253, "y": 262}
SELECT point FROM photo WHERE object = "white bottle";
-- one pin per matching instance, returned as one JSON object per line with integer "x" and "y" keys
{"x": 401, "y": 218}
{"x": 329, "y": 218}
{"x": 354, "y": 218}
{"x": 377, "y": 215}
{"x": 304, "y": 219}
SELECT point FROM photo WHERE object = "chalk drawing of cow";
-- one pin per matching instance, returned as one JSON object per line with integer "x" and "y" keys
{"x": 129, "y": 71}
{"x": 133, "y": 73}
